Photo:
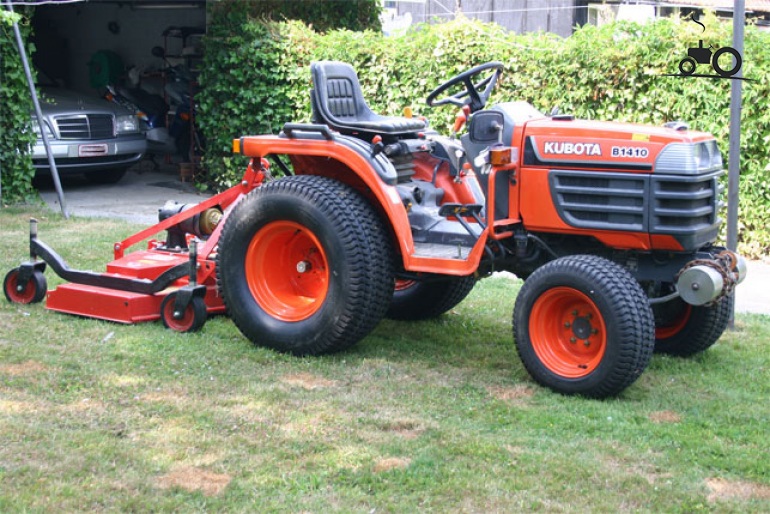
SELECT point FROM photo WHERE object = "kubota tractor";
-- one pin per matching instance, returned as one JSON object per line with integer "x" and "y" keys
{"x": 611, "y": 225}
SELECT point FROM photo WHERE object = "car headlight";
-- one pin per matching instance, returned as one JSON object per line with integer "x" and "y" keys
{"x": 127, "y": 124}
{"x": 36, "y": 129}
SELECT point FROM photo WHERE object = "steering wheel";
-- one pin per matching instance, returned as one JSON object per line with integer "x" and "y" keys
{"x": 475, "y": 95}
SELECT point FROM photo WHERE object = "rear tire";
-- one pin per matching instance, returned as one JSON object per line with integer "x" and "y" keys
{"x": 415, "y": 300}
{"x": 583, "y": 325}
{"x": 305, "y": 266}
{"x": 684, "y": 330}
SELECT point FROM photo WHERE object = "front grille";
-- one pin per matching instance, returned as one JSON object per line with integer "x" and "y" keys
{"x": 684, "y": 206}
{"x": 613, "y": 201}
{"x": 86, "y": 126}
{"x": 681, "y": 204}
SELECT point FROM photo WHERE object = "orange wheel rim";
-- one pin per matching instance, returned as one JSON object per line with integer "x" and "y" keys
{"x": 404, "y": 284}
{"x": 567, "y": 332}
{"x": 676, "y": 326}
{"x": 287, "y": 271}
{"x": 182, "y": 324}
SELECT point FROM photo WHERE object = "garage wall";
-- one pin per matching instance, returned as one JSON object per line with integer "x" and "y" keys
{"x": 68, "y": 35}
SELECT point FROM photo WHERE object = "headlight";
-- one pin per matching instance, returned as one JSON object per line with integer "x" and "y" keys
{"x": 716, "y": 155}
{"x": 127, "y": 124}
{"x": 689, "y": 158}
{"x": 36, "y": 129}
{"x": 701, "y": 155}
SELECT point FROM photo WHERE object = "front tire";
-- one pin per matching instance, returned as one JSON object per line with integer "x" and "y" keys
{"x": 414, "y": 300}
{"x": 687, "y": 66}
{"x": 583, "y": 325}
{"x": 305, "y": 266}
{"x": 684, "y": 330}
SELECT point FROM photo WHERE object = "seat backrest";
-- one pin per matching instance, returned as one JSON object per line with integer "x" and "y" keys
{"x": 336, "y": 94}
{"x": 340, "y": 97}
{"x": 338, "y": 102}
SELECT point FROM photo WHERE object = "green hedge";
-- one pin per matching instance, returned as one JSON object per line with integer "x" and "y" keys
{"x": 15, "y": 105}
{"x": 322, "y": 15}
{"x": 257, "y": 79}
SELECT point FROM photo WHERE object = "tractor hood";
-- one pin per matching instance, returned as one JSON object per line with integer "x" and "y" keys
{"x": 562, "y": 141}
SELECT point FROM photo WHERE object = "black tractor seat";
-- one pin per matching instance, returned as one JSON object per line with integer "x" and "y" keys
{"x": 338, "y": 102}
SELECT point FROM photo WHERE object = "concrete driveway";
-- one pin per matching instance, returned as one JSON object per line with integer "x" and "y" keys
{"x": 137, "y": 197}
{"x": 753, "y": 295}
{"x": 142, "y": 192}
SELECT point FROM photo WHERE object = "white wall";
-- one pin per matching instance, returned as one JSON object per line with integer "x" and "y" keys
{"x": 68, "y": 35}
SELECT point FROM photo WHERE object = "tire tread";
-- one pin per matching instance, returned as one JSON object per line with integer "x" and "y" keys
{"x": 633, "y": 316}
{"x": 368, "y": 256}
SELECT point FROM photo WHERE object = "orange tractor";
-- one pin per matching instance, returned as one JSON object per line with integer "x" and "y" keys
{"x": 611, "y": 225}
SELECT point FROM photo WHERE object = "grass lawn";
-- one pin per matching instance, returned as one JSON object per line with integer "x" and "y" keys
{"x": 433, "y": 416}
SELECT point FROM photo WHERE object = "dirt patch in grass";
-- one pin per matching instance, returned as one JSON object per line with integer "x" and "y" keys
{"x": 723, "y": 489}
{"x": 391, "y": 463}
{"x": 176, "y": 397}
{"x": 518, "y": 394}
{"x": 124, "y": 381}
{"x": 315, "y": 425}
{"x": 20, "y": 407}
{"x": 251, "y": 413}
{"x": 195, "y": 479}
{"x": 23, "y": 369}
{"x": 665, "y": 416}
{"x": 404, "y": 428}
{"x": 618, "y": 460}
{"x": 307, "y": 381}
{"x": 84, "y": 406}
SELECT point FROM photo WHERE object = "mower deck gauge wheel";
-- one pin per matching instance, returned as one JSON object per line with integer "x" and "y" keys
{"x": 191, "y": 319}
{"x": 32, "y": 292}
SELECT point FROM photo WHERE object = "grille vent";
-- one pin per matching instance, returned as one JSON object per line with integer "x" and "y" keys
{"x": 658, "y": 204}
{"x": 86, "y": 126}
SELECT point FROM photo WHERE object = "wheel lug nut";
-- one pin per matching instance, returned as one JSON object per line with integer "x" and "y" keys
{"x": 572, "y": 340}
{"x": 594, "y": 331}
{"x": 586, "y": 343}
{"x": 567, "y": 324}
{"x": 575, "y": 312}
